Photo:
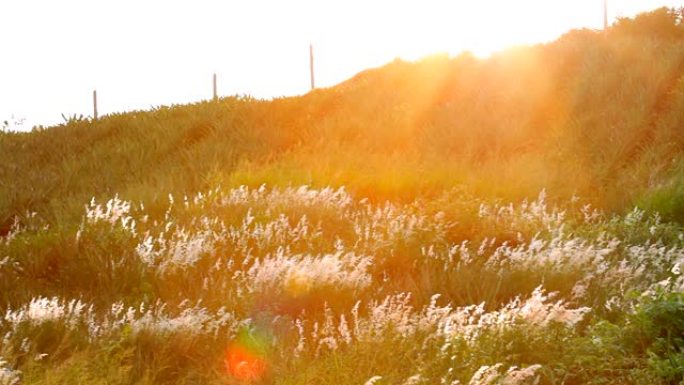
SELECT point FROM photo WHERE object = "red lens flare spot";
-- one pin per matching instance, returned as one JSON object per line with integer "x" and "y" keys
{"x": 246, "y": 357}
{"x": 243, "y": 364}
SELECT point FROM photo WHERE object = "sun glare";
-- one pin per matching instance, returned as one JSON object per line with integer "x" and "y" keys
{"x": 412, "y": 30}
{"x": 258, "y": 48}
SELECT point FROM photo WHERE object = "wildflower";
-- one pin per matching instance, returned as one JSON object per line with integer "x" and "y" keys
{"x": 8, "y": 376}
{"x": 39, "y": 356}
{"x": 373, "y": 380}
{"x": 414, "y": 380}
{"x": 515, "y": 376}
{"x": 297, "y": 275}
{"x": 486, "y": 375}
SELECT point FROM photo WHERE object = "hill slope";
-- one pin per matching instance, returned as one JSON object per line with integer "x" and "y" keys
{"x": 597, "y": 115}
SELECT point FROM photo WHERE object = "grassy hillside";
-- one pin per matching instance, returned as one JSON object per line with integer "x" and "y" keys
{"x": 514, "y": 220}
{"x": 592, "y": 114}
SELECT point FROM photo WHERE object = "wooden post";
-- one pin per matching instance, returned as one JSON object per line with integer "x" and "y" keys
{"x": 311, "y": 66}
{"x": 215, "y": 91}
{"x": 605, "y": 15}
{"x": 94, "y": 104}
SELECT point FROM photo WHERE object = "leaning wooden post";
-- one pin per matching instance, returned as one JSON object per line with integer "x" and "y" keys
{"x": 215, "y": 91}
{"x": 94, "y": 104}
{"x": 311, "y": 66}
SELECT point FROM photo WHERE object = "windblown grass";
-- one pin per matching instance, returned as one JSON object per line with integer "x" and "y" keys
{"x": 524, "y": 300}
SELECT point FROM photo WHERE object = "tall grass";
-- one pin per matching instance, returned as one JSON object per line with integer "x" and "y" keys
{"x": 321, "y": 286}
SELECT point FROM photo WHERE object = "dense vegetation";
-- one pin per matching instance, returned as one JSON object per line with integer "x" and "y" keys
{"x": 514, "y": 220}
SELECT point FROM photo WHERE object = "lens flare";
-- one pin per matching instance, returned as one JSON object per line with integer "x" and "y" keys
{"x": 244, "y": 365}
{"x": 298, "y": 285}
{"x": 246, "y": 357}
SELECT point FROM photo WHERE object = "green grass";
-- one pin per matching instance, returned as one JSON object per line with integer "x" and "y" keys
{"x": 510, "y": 220}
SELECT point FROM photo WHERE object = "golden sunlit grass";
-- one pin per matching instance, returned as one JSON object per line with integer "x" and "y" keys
{"x": 480, "y": 228}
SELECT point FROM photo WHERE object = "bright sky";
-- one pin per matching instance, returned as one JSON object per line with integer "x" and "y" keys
{"x": 143, "y": 53}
